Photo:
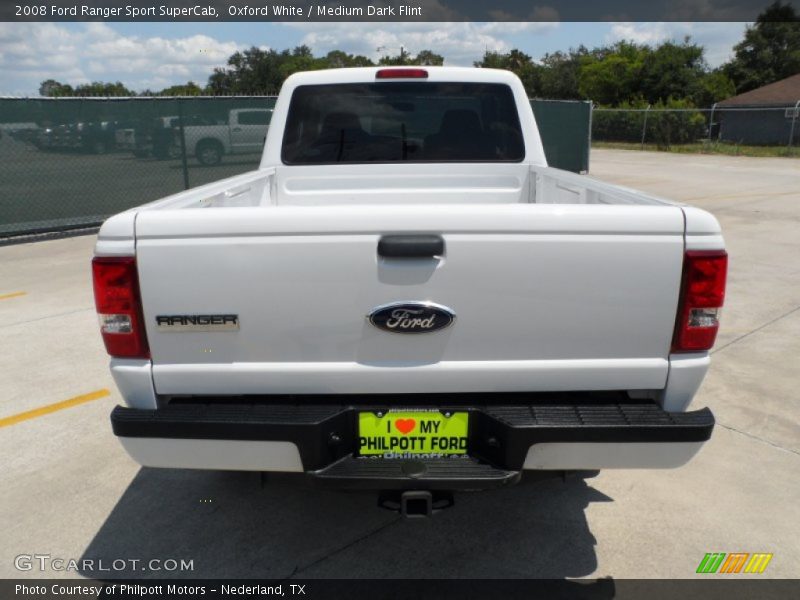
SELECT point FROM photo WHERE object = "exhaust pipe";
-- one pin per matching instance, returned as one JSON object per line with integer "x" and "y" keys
{"x": 416, "y": 504}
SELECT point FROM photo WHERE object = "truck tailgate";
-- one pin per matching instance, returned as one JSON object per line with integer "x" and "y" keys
{"x": 547, "y": 297}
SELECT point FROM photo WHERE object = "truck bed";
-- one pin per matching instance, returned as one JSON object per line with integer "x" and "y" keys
{"x": 575, "y": 282}
{"x": 407, "y": 185}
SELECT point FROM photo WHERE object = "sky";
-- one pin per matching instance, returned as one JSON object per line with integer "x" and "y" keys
{"x": 157, "y": 55}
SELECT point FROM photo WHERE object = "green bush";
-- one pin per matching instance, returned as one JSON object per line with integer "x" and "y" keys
{"x": 622, "y": 124}
{"x": 663, "y": 127}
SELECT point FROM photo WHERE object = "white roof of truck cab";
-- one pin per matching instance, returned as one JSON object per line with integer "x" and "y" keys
{"x": 368, "y": 75}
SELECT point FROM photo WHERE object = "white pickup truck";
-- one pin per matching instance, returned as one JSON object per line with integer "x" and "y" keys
{"x": 242, "y": 133}
{"x": 404, "y": 296}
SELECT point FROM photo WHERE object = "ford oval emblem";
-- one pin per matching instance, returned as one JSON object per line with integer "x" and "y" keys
{"x": 411, "y": 317}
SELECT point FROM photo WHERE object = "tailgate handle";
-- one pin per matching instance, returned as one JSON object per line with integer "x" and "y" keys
{"x": 411, "y": 246}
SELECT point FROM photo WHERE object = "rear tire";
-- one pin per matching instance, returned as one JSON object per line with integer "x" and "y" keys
{"x": 209, "y": 152}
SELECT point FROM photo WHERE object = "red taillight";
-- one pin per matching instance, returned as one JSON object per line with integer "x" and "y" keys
{"x": 702, "y": 296}
{"x": 116, "y": 296}
{"x": 401, "y": 74}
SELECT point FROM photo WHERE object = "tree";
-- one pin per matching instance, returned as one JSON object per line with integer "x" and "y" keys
{"x": 626, "y": 72}
{"x": 299, "y": 59}
{"x": 404, "y": 58}
{"x": 251, "y": 71}
{"x": 258, "y": 71}
{"x": 54, "y": 89}
{"x": 611, "y": 75}
{"x": 99, "y": 88}
{"x": 337, "y": 59}
{"x": 427, "y": 58}
{"x": 187, "y": 89}
{"x": 559, "y": 74}
{"x": 518, "y": 63}
{"x": 672, "y": 71}
{"x": 220, "y": 82}
{"x": 770, "y": 50}
{"x": 715, "y": 86}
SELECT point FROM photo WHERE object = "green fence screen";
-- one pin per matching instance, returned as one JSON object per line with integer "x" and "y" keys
{"x": 566, "y": 129}
{"x": 69, "y": 163}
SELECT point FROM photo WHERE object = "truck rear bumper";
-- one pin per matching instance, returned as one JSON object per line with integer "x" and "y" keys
{"x": 507, "y": 433}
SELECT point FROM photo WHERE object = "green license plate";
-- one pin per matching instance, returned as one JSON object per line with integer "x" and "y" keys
{"x": 402, "y": 433}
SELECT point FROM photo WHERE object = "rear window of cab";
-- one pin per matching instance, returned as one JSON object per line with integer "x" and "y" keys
{"x": 387, "y": 122}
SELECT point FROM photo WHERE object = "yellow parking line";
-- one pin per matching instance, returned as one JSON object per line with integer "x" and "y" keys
{"x": 12, "y": 295}
{"x": 50, "y": 408}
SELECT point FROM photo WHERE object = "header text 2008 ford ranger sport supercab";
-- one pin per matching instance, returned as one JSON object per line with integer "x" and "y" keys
{"x": 404, "y": 296}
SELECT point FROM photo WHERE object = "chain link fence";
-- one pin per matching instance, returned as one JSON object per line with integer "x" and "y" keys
{"x": 777, "y": 126}
{"x": 69, "y": 163}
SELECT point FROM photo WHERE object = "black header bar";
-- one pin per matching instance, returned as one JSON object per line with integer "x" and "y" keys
{"x": 384, "y": 10}
{"x": 734, "y": 588}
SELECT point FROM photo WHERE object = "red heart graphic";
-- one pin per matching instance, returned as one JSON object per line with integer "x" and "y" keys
{"x": 405, "y": 426}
